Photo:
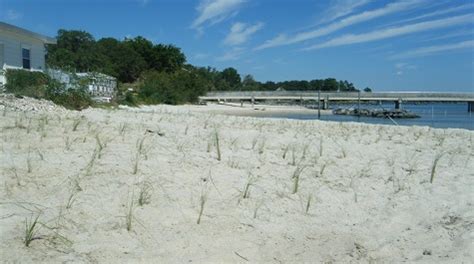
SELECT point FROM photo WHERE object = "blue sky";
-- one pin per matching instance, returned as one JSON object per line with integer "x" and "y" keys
{"x": 398, "y": 45}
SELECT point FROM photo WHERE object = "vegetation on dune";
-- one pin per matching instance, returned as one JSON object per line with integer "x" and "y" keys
{"x": 148, "y": 73}
{"x": 41, "y": 86}
{"x": 161, "y": 70}
{"x": 172, "y": 88}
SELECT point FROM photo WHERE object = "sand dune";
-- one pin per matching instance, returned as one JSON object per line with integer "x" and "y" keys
{"x": 129, "y": 185}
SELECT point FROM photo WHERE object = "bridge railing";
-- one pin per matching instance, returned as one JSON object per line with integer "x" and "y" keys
{"x": 405, "y": 95}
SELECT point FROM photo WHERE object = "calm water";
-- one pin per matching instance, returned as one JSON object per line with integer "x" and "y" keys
{"x": 439, "y": 115}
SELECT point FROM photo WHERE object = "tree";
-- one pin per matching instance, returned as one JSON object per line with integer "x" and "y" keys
{"x": 74, "y": 49}
{"x": 121, "y": 60}
{"x": 172, "y": 88}
{"x": 268, "y": 86}
{"x": 142, "y": 46}
{"x": 249, "y": 83}
{"x": 231, "y": 77}
{"x": 167, "y": 58}
{"x": 330, "y": 84}
{"x": 367, "y": 90}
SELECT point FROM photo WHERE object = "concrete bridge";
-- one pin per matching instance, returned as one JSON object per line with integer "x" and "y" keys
{"x": 324, "y": 98}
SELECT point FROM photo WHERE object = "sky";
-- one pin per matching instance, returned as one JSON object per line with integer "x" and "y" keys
{"x": 398, "y": 45}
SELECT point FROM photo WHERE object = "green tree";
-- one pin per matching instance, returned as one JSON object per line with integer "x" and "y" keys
{"x": 142, "y": 46}
{"x": 250, "y": 84}
{"x": 330, "y": 84}
{"x": 172, "y": 88}
{"x": 231, "y": 78}
{"x": 167, "y": 58}
{"x": 74, "y": 49}
{"x": 122, "y": 61}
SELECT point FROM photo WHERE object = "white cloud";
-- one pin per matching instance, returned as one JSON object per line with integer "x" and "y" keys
{"x": 340, "y": 8}
{"x": 402, "y": 67}
{"x": 231, "y": 55}
{"x": 13, "y": 15}
{"x": 393, "y": 32}
{"x": 241, "y": 32}
{"x": 214, "y": 11}
{"x": 438, "y": 13}
{"x": 426, "y": 51}
{"x": 283, "y": 39}
{"x": 459, "y": 33}
{"x": 200, "y": 56}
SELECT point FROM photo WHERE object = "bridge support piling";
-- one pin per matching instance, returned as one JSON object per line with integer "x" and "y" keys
{"x": 398, "y": 104}
{"x": 358, "y": 103}
{"x": 326, "y": 103}
{"x": 253, "y": 101}
{"x": 470, "y": 106}
{"x": 319, "y": 104}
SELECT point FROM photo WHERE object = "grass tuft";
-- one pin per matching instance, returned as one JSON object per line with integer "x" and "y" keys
{"x": 31, "y": 229}
{"x": 202, "y": 203}
{"x": 285, "y": 151}
{"x": 250, "y": 182}
{"x": 296, "y": 178}
{"x": 129, "y": 214}
{"x": 203, "y": 198}
{"x": 434, "y": 165}
{"x": 76, "y": 123}
{"x": 308, "y": 203}
{"x": 144, "y": 197}
{"x": 218, "y": 148}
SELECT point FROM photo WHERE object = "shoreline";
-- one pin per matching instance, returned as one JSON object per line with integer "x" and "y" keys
{"x": 296, "y": 112}
{"x": 258, "y": 110}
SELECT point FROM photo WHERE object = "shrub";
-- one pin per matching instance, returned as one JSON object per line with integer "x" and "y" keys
{"x": 41, "y": 86}
{"x": 26, "y": 83}
{"x": 75, "y": 99}
{"x": 128, "y": 99}
{"x": 172, "y": 88}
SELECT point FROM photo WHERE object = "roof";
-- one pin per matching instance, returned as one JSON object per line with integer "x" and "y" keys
{"x": 14, "y": 29}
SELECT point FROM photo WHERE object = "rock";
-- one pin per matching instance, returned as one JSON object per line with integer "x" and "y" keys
{"x": 27, "y": 104}
{"x": 380, "y": 113}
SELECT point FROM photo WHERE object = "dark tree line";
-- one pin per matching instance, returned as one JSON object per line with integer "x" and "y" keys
{"x": 126, "y": 60}
{"x": 160, "y": 70}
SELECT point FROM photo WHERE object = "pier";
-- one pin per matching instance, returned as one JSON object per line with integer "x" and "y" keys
{"x": 323, "y": 99}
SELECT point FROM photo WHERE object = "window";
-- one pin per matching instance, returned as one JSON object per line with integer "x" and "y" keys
{"x": 26, "y": 58}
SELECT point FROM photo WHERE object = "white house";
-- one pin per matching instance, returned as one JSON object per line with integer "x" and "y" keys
{"x": 21, "y": 49}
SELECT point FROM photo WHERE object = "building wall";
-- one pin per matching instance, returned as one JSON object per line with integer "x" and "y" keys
{"x": 12, "y": 44}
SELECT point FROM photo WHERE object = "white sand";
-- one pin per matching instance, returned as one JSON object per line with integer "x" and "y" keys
{"x": 372, "y": 200}
{"x": 257, "y": 110}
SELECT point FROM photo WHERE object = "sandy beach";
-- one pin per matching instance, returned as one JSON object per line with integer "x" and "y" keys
{"x": 257, "y": 110}
{"x": 181, "y": 184}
